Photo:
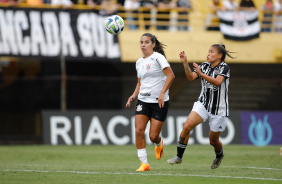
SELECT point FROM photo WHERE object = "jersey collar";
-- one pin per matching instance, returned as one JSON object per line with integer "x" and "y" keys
{"x": 216, "y": 65}
{"x": 151, "y": 57}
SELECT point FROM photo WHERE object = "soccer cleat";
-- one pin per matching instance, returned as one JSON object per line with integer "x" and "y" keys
{"x": 144, "y": 167}
{"x": 216, "y": 162}
{"x": 159, "y": 151}
{"x": 174, "y": 160}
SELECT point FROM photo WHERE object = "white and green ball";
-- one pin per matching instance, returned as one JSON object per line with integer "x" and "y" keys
{"x": 114, "y": 24}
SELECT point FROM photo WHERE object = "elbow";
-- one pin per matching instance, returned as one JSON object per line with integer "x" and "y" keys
{"x": 190, "y": 79}
{"x": 217, "y": 84}
{"x": 173, "y": 76}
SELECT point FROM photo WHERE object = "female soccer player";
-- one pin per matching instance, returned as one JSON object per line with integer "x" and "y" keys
{"x": 155, "y": 77}
{"x": 212, "y": 103}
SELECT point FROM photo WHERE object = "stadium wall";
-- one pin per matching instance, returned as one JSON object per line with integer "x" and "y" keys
{"x": 266, "y": 49}
{"x": 260, "y": 128}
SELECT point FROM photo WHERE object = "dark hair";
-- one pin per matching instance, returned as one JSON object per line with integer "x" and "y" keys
{"x": 221, "y": 50}
{"x": 159, "y": 47}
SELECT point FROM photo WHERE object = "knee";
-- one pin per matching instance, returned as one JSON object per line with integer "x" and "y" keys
{"x": 139, "y": 132}
{"x": 154, "y": 138}
{"x": 187, "y": 128}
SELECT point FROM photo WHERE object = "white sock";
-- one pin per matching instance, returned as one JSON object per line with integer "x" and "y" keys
{"x": 159, "y": 143}
{"x": 142, "y": 155}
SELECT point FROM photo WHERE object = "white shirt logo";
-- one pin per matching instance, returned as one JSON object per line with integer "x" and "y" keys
{"x": 139, "y": 108}
{"x": 148, "y": 67}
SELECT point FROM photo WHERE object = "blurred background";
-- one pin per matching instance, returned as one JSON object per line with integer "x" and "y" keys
{"x": 33, "y": 82}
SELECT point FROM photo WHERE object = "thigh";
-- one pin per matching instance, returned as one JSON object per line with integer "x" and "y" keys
{"x": 141, "y": 122}
{"x": 193, "y": 120}
{"x": 199, "y": 108}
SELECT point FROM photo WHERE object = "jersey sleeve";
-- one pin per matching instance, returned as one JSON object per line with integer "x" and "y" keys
{"x": 162, "y": 61}
{"x": 137, "y": 69}
{"x": 224, "y": 71}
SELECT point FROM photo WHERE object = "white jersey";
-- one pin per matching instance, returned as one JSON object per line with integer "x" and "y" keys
{"x": 150, "y": 70}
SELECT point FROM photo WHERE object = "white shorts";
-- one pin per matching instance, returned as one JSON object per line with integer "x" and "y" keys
{"x": 217, "y": 123}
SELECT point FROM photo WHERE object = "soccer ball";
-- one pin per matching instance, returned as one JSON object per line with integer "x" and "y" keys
{"x": 114, "y": 24}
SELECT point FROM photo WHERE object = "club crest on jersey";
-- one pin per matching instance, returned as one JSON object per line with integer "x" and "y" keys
{"x": 139, "y": 108}
{"x": 211, "y": 86}
{"x": 216, "y": 71}
{"x": 148, "y": 67}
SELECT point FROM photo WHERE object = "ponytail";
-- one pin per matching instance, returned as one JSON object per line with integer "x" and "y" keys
{"x": 221, "y": 50}
{"x": 159, "y": 47}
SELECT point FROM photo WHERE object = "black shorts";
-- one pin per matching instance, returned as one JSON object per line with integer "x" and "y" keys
{"x": 152, "y": 110}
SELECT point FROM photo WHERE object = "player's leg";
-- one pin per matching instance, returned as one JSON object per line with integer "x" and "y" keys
{"x": 217, "y": 125}
{"x": 155, "y": 130}
{"x": 157, "y": 121}
{"x": 216, "y": 143}
{"x": 141, "y": 122}
{"x": 192, "y": 121}
{"x": 214, "y": 140}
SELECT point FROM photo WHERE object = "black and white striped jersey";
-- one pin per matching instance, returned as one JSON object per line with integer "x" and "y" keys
{"x": 215, "y": 98}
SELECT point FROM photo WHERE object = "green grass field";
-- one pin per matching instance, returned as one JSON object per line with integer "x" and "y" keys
{"x": 117, "y": 164}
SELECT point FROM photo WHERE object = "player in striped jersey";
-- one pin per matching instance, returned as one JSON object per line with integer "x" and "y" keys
{"x": 212, "y": 104}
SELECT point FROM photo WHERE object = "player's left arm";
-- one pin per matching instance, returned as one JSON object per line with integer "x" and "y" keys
{"x": 169, "y": 79}
{"x": 215, "y": 81}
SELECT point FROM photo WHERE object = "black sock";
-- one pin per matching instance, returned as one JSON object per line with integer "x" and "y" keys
{"x": 219, "y": 154}
{"x": 180, "y": 149}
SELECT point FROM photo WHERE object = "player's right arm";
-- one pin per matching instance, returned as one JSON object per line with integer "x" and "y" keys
{"x": 189, "y": 73}
{"x": 135, "y": 93}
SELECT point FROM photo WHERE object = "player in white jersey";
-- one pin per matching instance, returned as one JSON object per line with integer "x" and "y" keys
{"x": 212, "y": 104}
{"x": 155, "y": 77}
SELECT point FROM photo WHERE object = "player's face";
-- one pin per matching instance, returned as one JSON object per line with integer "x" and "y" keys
{"x": 146, "y": 45}
{"x": 213, "y": 55}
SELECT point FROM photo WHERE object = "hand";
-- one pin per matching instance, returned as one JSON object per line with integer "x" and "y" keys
{"x": 130, "y": 99}
{"x": 161, "y": 100}
{"x": 197, "y": 68}
{"x": 183, "y": 57}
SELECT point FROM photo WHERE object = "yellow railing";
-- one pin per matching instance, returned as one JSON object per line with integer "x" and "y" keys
{"x": 175, "y": 19}
{"x": 142, "y": 19}
{"x": 157, "y": 18}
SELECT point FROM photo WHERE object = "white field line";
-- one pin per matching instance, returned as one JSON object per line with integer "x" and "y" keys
{"x": 262, "y": 168}
{"x": 148, "y": 174}
{"x": 259, "y": 168}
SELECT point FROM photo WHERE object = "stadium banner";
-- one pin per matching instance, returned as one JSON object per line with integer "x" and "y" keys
{"x": 239, "y": 25}
{"x": 117, "y": 127}
{"x": 51, "y": 33}
{"x": 261, "y": 128}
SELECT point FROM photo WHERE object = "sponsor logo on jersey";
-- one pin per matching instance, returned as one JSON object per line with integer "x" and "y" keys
{"x": 145, "y": 94}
